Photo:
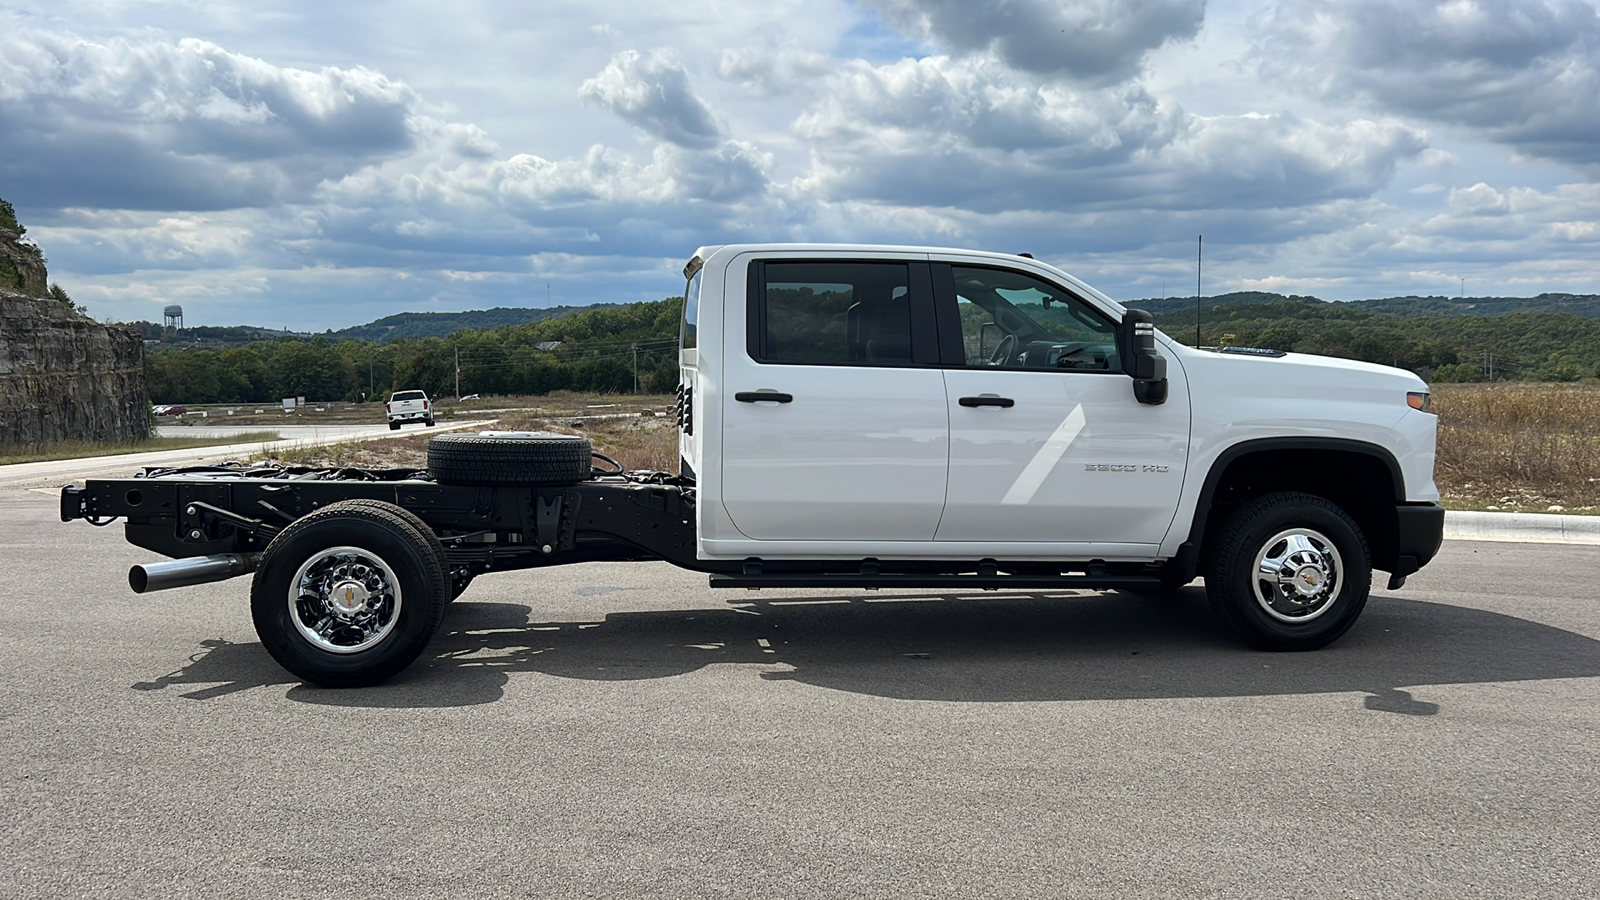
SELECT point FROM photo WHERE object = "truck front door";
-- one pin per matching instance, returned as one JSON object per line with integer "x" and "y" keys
{"x": 1047, "y": 442}
{"x": 834, "y": 422}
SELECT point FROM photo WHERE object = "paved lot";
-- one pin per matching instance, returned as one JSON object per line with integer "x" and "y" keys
{"x": 621, "y": 731}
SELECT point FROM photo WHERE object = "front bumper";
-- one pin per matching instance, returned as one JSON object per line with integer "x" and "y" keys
{"x": 1419, "y": 530}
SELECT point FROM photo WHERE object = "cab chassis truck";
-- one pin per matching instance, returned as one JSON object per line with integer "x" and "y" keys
{"x": 863, "y": 417}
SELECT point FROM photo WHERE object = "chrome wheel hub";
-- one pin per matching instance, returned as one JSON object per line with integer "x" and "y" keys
{"x": 344, "y": 600}
{"x": 1297, "y": 575}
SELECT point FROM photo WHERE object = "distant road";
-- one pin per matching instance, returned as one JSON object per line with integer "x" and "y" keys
{"x": 55, "y": 473}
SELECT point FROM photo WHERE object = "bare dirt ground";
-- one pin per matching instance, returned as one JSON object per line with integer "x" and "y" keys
{"x": 639, "y": 432}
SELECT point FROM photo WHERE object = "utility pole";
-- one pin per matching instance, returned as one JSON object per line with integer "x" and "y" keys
{"x": 372, "y": 385}
{"x": 458, "y": 373}
{"x": 635, "y": 369}
{"x": 1199, "y": 259}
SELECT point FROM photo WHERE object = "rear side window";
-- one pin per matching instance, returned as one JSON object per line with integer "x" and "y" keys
{"x": 408, "y": 395}
{"x": 691, "y": 312}
{"x": 838, "y": 313}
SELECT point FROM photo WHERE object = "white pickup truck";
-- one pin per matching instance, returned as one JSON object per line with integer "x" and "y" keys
{"x": 863, "y": 417}
{"x": 409, "y": 406}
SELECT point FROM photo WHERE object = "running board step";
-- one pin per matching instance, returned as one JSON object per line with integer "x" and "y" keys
{"x": 959, "y": 582}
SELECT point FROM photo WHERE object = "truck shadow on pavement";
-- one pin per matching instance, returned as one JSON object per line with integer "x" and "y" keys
{"x": 989, "y": 648}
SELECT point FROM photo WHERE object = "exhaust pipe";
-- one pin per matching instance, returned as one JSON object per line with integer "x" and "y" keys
{"x": 191, "y": 570}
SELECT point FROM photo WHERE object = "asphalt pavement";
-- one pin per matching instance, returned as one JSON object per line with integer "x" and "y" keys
{"x": 620, "y": 730}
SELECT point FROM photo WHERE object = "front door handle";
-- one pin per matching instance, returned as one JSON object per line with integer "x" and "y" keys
{"x": 988, "y": 400}
{"x": 763, "y": 397}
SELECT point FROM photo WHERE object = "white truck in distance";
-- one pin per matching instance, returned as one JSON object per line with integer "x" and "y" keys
{"x": 862, "y": 417}
{"x": 409, "y": 406}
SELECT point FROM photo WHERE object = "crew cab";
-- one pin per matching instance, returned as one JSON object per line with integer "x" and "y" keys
{"x": 409, "y": 406}
{"x": 864, "y": 417}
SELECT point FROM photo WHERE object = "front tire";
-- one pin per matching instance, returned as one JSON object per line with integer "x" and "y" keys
{"x": 1289, "y": 571}
{"x": 348, "y": 596}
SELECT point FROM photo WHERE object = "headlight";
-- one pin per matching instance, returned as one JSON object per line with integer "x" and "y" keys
{"x": 1419, "y": 400}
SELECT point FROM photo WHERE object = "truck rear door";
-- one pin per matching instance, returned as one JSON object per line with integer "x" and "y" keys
{"x": 834, "y": 409}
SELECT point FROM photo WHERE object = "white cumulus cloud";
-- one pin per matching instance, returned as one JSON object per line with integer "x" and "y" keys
{"x": 652, "y": 92}
{"x": 1093, "y": 40}
{"x": 1525, "y": 73}
{"x": 158, "y": 124}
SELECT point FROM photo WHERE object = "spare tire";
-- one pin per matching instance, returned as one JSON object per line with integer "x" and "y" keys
{"x": 508, "y": 457}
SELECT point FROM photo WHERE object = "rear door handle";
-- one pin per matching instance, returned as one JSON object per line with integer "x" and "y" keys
{"x": 988, "y": 400}
{"x": 763, "y": 397}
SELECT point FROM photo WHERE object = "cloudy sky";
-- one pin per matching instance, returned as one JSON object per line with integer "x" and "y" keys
{"x": 315, "y": 165}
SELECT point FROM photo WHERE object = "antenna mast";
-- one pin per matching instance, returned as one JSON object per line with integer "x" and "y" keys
{"x": 1199, "y": 259}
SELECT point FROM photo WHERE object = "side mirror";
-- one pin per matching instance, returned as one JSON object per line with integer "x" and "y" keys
{"x": 1142, "y": 361}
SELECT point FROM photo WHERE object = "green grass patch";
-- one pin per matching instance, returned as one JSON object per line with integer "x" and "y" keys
{"x": 83, "y": 449}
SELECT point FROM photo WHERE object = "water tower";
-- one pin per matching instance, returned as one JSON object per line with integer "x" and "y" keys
{"x": 173, "y": 317}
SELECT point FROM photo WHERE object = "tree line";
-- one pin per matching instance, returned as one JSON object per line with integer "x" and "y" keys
{"x": 1528, "y": 346}
{"x": 601, "y": 350}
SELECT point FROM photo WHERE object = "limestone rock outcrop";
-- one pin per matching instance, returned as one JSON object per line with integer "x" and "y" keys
{"x": 63, "y": 376}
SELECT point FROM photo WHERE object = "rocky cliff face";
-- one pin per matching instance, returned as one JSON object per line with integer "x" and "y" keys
{"x": 63, "y": 376}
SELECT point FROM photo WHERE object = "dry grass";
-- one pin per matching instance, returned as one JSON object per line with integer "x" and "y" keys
{"x": 1519, "y": 447}
{"x": 1512, "y": 447}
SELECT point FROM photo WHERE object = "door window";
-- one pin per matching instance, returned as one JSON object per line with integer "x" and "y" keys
{"x": 1012, "y": 320}
{"x": 832, "y": 313}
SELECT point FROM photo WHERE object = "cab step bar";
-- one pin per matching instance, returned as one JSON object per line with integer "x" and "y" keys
{"x": 957, "y": 582}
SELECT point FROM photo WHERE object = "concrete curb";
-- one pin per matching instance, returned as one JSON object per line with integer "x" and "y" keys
{"x": 1527, "y": 528}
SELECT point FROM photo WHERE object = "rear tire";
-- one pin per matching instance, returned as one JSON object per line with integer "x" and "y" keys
{"x": 394, "y": 426}
{"x": 1289, "y": 571}
{"x": 495, "y": 458}
{"x": 349, "y": 595}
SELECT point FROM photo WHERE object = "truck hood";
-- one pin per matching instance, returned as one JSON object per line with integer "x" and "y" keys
{"x": 1265, "y": 373}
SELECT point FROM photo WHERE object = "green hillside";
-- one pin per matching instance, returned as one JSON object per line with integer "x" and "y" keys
{"x": 1539, "y": 346}
{"x": 443, "y": 324}
{"x": 1585, "y": 305}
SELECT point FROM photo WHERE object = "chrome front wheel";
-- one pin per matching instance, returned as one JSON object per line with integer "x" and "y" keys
{"x": 1297, "y": 575}
{"x": 1288, "y": 571}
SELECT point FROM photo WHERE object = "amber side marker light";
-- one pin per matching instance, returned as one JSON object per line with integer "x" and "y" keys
{"x": 1420, "y": 400}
